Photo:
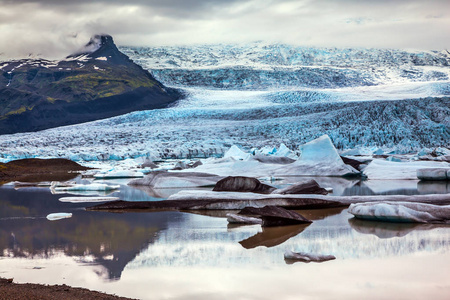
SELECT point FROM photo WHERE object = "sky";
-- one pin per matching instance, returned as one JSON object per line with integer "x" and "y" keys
{"x": 57, "y": 28}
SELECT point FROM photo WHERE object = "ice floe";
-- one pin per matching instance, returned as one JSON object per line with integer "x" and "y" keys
{"x": 86, "y": 187}
{"x": 433, "y": 174}
{"x": 119, "y": 174}
{"x": 176, "y": 180}
{"x": 87, "y": 199}
{"x": 383, "y": 169}
{"x": 58, "y": 216}
{"x": 401, "y": 212}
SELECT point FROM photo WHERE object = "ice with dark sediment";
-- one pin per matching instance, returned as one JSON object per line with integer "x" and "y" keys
{"x": 407, "y": 212}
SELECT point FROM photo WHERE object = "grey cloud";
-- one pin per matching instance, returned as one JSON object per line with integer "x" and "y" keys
{"x": 56, "y": 28}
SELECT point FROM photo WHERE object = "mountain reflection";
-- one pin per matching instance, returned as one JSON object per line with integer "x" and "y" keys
{"x": 112, "y": 239}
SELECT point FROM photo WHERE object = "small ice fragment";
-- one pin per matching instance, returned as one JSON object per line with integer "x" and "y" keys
{"x": 58, "y": 216}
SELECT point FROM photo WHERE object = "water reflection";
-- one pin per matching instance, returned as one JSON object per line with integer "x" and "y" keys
{"x": 203, "y": 257}
{"x": 111, "y": 240}
{"x": 385, "y": 230}
{"x": 272, "y": 236}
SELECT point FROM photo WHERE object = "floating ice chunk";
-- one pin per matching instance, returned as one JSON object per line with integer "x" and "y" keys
{"x": 320, "y": 149}
{"x": 87, "y": 199}
{"x": 306, "y": 257}
{"x": 119, "y": 174}
{"x": 236, "y": 153}
{"x": 58, "y": 216}
{"x": 382, "y": 169}
{"x": 433, "y": 174}
{"x": 285, "y": 152}
{"x": 401, "y": 212}
{"x": 266, "y": 150}
{"x": 87, "y": 187}
{"x": 240, "y": 219}
{"x": 319, "y": 158}
{"x": 177, "y": 180}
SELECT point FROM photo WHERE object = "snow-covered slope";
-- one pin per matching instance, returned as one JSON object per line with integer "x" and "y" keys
{"x": 411, "y": 111}
{"x": 274, "y": 66}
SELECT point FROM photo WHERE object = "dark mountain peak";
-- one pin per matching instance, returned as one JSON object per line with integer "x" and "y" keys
{"x": 102, "y": 47}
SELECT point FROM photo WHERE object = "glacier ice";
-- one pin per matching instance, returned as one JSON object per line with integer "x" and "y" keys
{"x": 119, "y": 174}
{"x": 58, "y": 216}
{"x": 369, "y": 100}
{"x": 401, "y": 212}
{"x": 86, "y": 187}
{"x": 87, "y": 199}
{"x": 383, "y": 169}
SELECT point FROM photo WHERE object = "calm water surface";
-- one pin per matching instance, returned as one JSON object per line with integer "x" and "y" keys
{"x": 174, "y": 255}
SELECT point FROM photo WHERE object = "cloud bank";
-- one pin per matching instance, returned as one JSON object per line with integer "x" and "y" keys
{"x": 56, "y": 28}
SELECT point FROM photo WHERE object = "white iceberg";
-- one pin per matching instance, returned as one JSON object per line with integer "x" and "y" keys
{"x": 87, "y": 199}
{"x": 240, "y": 219}
{"x": 86, "y": 187}
{"x": 176, "y": 180}
{"x": 401, "y": 212}
{"x": 433, "y": 174}
{"x": 58, "y": 216}
{"x": 119, "y": 174}
{"x": 285, "y": 152}
{"x": 236, "y": 153}
{"x": 318, "y": 158}
{"x": 383, "y": 169}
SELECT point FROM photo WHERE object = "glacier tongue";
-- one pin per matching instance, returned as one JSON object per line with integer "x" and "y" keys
{"x": 269, "y": 95}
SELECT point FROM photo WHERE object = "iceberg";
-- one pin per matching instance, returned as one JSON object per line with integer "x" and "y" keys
{"x": 119, "y": 174}
{"x": 319, "y": 158}
{"x": 176, "y": 180}
{"x": 403, "y": 212}
{"x": 433, "y": 174}
{"x": 87, "y": 199}
{"x": 58, "y": 216}
{"x": 240, "y": 219}
{"x": 383, "y": 169}
{"x": 236, "y": 153}
{"x": 86, "y": 187}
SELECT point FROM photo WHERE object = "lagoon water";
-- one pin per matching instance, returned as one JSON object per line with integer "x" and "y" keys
{"x": 177, "y": 255}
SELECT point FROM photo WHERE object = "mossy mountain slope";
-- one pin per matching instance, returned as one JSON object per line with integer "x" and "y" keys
{"x": 98, "y": 83}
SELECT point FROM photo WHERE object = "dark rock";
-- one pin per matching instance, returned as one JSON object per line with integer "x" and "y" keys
{"x": 352, "y": 162}
{"x": 305, "y": 187}
{"x": 275, "y": 216}
{"x": 242, "y": 184}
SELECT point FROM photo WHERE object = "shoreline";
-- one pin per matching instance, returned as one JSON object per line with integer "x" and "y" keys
{"x": 33, "y": 291}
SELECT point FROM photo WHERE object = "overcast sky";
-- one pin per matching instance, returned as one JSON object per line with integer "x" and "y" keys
{"x": 56, "y": 28}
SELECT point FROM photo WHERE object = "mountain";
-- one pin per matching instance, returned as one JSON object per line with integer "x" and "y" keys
{"x": 97, "y": 82}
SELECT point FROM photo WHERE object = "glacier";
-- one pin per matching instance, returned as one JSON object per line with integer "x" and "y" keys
{"x": 261, "y": 96}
